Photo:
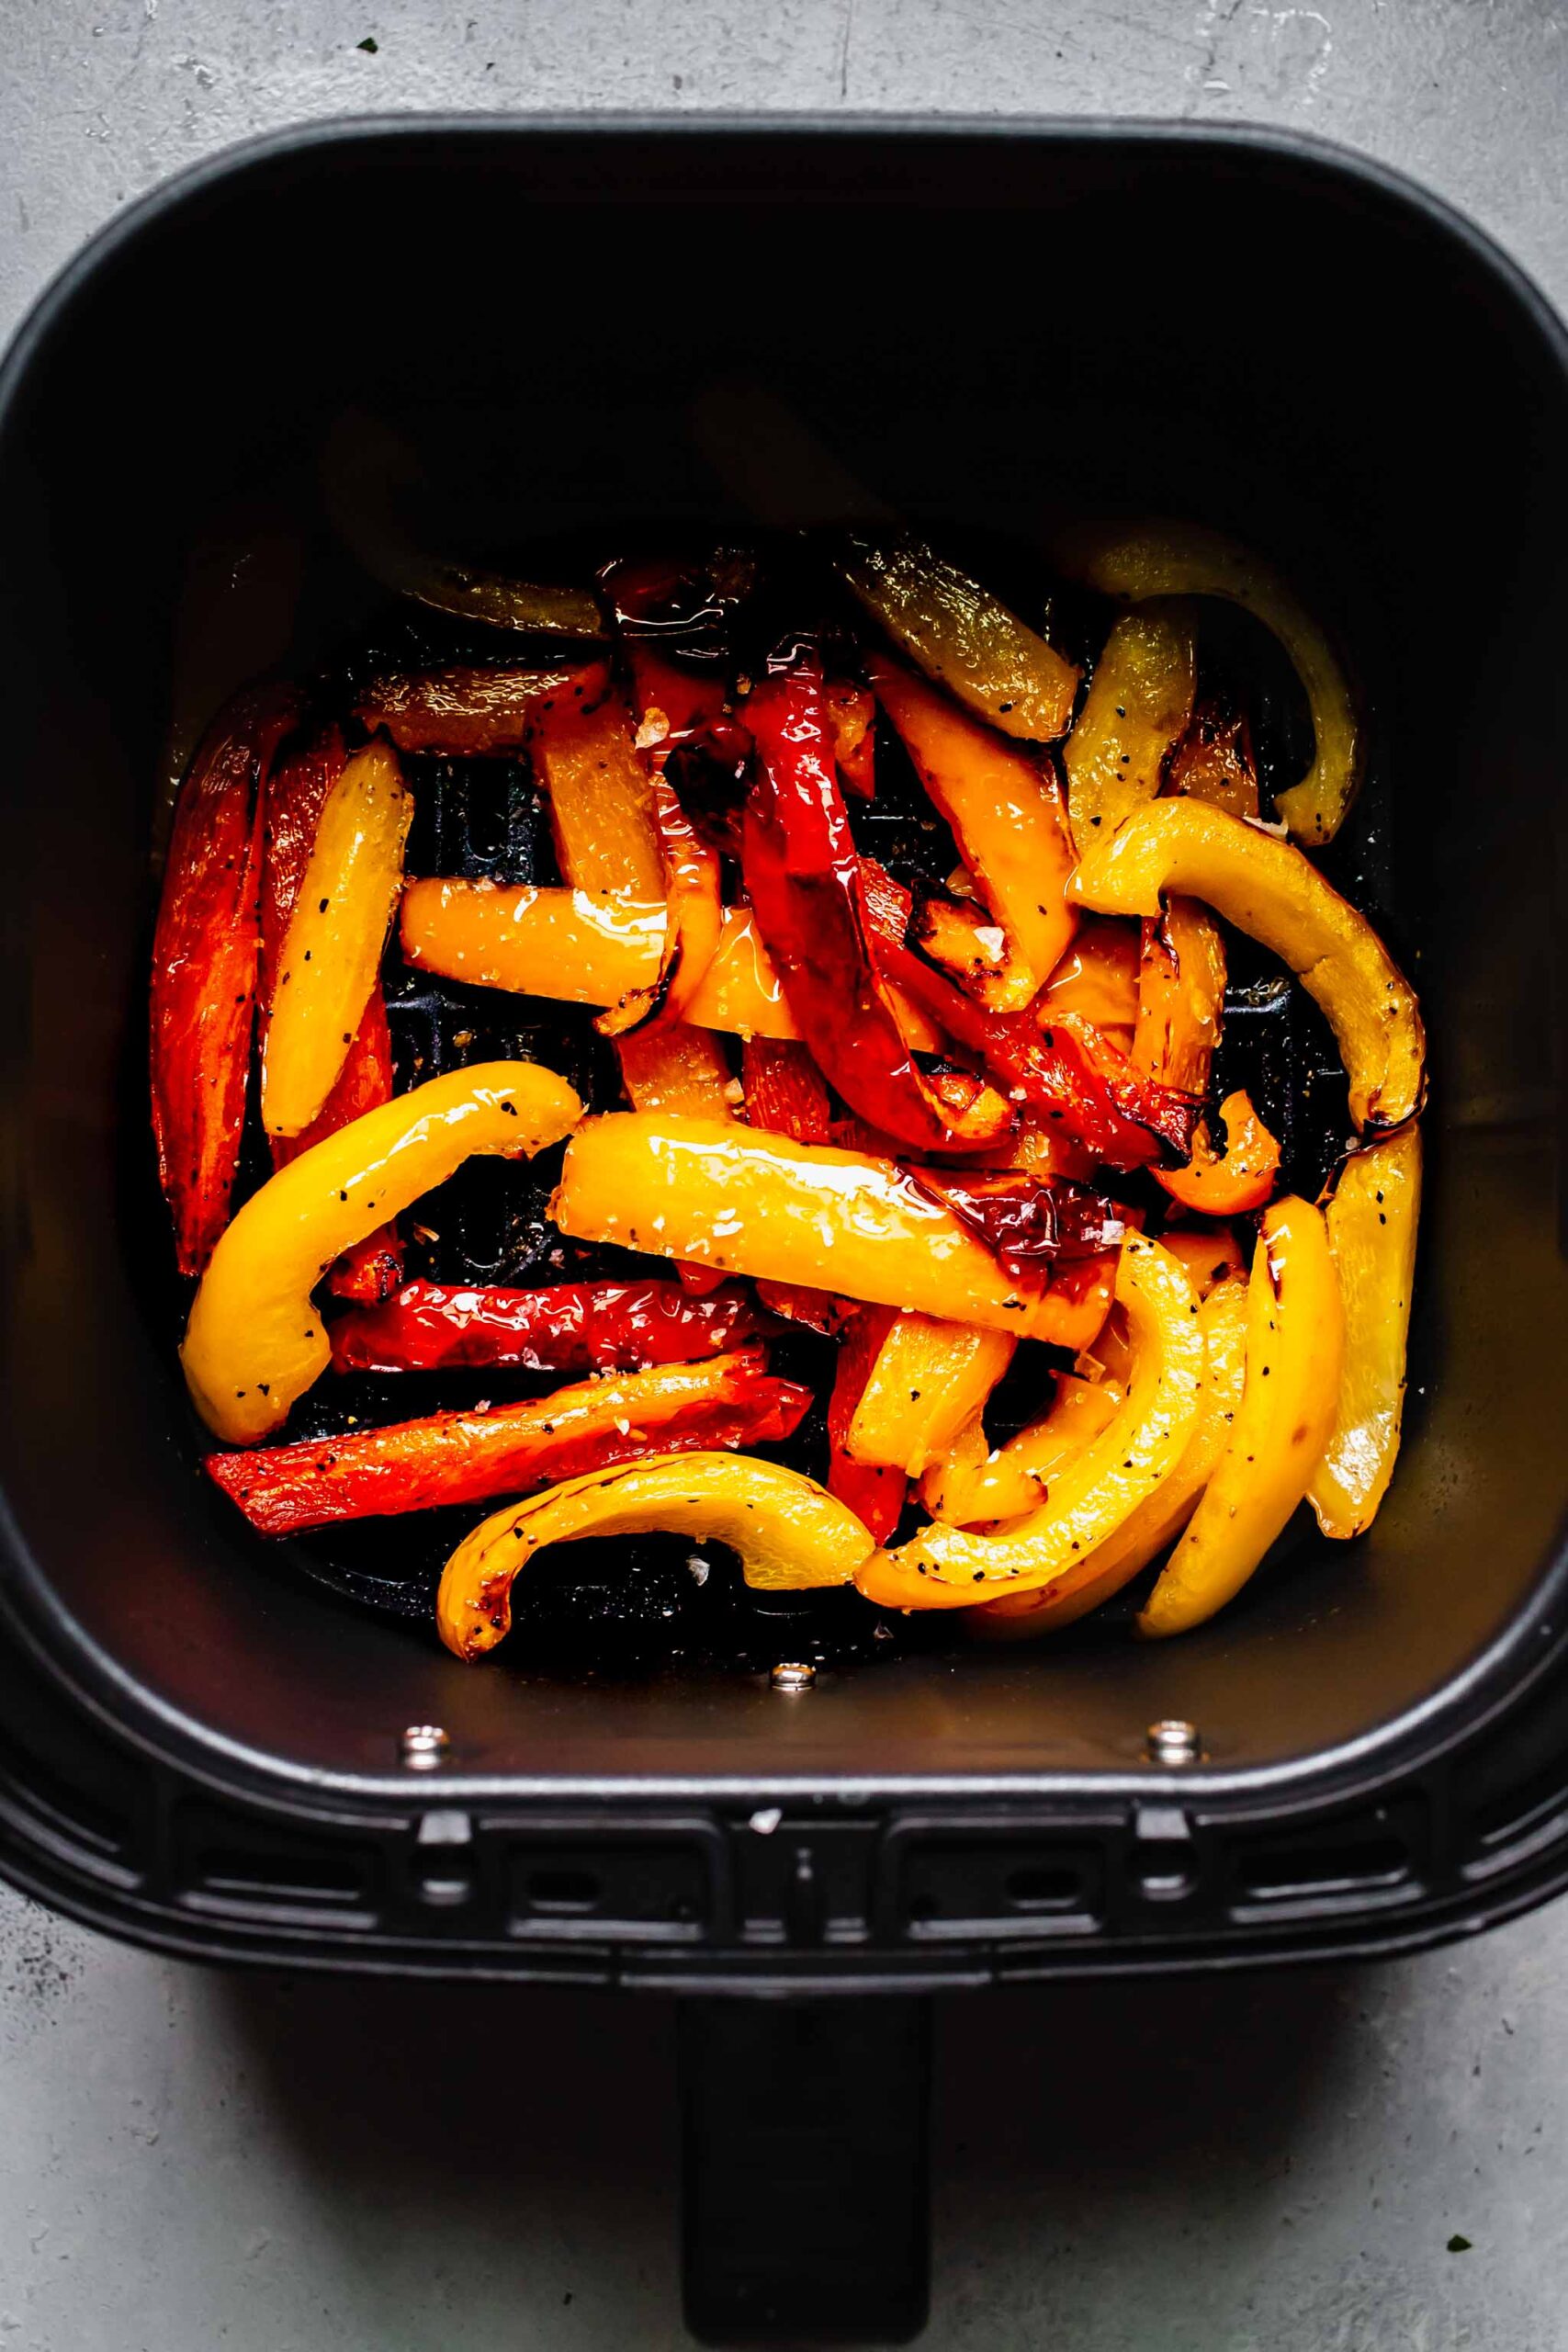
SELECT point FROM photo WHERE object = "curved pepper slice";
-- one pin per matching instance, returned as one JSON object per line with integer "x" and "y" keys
{"x": 1010, "y": 1481}
{"x": 204, "y": 968}
{"x": 928, "y": 1380}
{"x": 1242, "y": 1177}
{"x": 1137, "y": 707}
{"x": 1266, "y": 888}
{"x": 1139, "y": 560}
{"x": 943, "y": 1568}
{"x": 959, "y": 633}
{"x": 1295, "y": 1337}
{"x": 1371, "y": 1235}
{"x": 1143, "y": 1536}
{"x": 1005, "y": 810}
{"x": 803, "y": 875}
{"x": 470, "y": 1457}
{"x": 873, "y": 1490}
{"x": 466, "y": 713}
{"x": 1181, "y": 996}
{"x": 807, "y": 1214}
{"x": 789, "y": 1533}
{"x": 570, "y": 1326}
{"x": 332, "y": 951}
{"x": 255, "y": 1343}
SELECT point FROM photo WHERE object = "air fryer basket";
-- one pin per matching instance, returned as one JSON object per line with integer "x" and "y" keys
{"x": 198, "y": 1745}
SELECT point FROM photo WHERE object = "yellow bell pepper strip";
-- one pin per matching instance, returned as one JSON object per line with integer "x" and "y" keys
{"x": 1010, "y": 1481}
{"x": 1294, "y": 1349}
{"x": 1137, "y": 707}
{"x": 1227, "y": 1183}
{"x": 466, "y": 713}
{"x": 942, "y": 1567}
{"x": 1157, "y": 1521}
{"x": 255, "y": 1343}
{"x": 789, "y": 1533}
{"x": 330, "y": 956}
{"x": 1266, "y": 888}
{"x": 204, "y": 968}
{"x": 807, "y": 1214}
{"x": 1139, "y": 560}
{"x": 1005, "y": 808}
{"x": 1213, "y": 762}
{"x": 1108, "y": 1355}
{"x": 468, "y": 1457}
{"x": 803, "y": 877}
{"x": 961, "y": 636}
{"x": 928, "y": 1381}
{"x": 1209, "y": 1253}
{"x": 1098, "y": 976}
{"x": 1371, "y": 1235}
{"x": 1181, "y": 995}
{"x": 874, "y": 1491}
{"x": 959, "y": 937}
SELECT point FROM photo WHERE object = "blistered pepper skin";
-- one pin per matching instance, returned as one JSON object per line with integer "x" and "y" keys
{"x": 254, "y": 1341}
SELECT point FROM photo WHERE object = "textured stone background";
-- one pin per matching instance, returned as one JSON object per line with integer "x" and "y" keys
{"x": 1255, "y": 2165}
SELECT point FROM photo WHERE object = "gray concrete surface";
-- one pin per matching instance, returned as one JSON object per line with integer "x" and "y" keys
{"x": 1257, "y": 2165}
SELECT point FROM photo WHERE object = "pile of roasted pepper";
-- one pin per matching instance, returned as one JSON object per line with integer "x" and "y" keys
{"x": 941, "y": 1126}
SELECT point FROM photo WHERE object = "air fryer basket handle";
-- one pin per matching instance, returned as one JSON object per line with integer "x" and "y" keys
{"x": 803, "y": 2168}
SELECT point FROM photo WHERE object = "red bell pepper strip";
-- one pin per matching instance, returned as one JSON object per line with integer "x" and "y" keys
{"x": 803, "y": 875}
{"x": 1025, "y": 1220}
{"x": 784, "y": 1091}
{"x": 1065, "y": 1070}
{"x": 820, "y": 1310}
{"x": 571, "y": 1326}
{"x": 874, "y": 1493}
{"x": 294, "y": 798}
{"x": 514, "y": 1449}
{"x": 204, "y": 968}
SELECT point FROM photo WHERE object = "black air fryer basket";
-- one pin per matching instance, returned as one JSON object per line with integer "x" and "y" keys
{"x": 201, "y": 1744}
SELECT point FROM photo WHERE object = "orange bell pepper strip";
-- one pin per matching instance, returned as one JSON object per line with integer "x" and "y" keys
{"x": 803, "y": 877}
{"x": 1241, "y": 1178}
{"x": 1181, "y": 995}
{"x": 928, "y": 1381}
{"x": 1004, "y": 808}
{"x": 330, "y": 956}
{"x": 873, "y": 1490}
{"x": 1160, "y": 559}
{"x": 959, "y": 937}
{"x": 1009, "y": 1481}
{"x": 1266, "y": 888}
{"x": 468, "y": 1457}
{"x": 1209, "y": 1253}
{"x": 1294, "y": 1349}
{"x": 466, "y": 713}
{"x": 962, "y": 637}
{"x": 1137, "y": 707}
{"x": 785, "y": 1093}
{"x": 1145, "y": 1534}
{"x": 790, "y": 1536}
{"x": 255, "y": 1343}
{"x": 295, "y": 797}
{"x": 838, "y": 1221}
{"x": 945, "y": 1567}
{"x": 1371, "y": 1222}
{"x": 1213, "y": 762}
{"x": 204, "y": 968}
{"x": 1098, "y": 976}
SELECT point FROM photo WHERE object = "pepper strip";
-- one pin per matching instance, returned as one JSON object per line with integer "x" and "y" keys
{"x": 1371, "y": 1234}
{"x": 471, "y": 1457}
{"x": 204, "y": 968}
{"x": 1005, "y": 808}
{"x": 962, "y": 636}
{"x": 255, "y": 1343}
{"x": 1295, "y": 1338}
{"x": 571, "y": 1326}
{"x": 1181, "y": 995}
{"x": 466, "y": 713}
{"x": 1266, "y": 888}
{"x": 784, "y": 1091}
{"x": 1013, "y": 1479}
{"x": 873, "y": 1490}
{"x": 803, "y": 875}
{"x": 928, "y": 1380}
{"x": 1137, "y": 707}
{"x": 789, "y": 1533}
{"x": 1241, "y": 1178}
{"x": 1155, "y": 1523}
{"x": 943, "y": 1568}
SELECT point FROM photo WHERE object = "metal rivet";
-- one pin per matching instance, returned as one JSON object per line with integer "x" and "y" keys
{"x": 791, "y": 1675}
{"x": 424, "y": 1746}
{"x": 1173, "y": 1742}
